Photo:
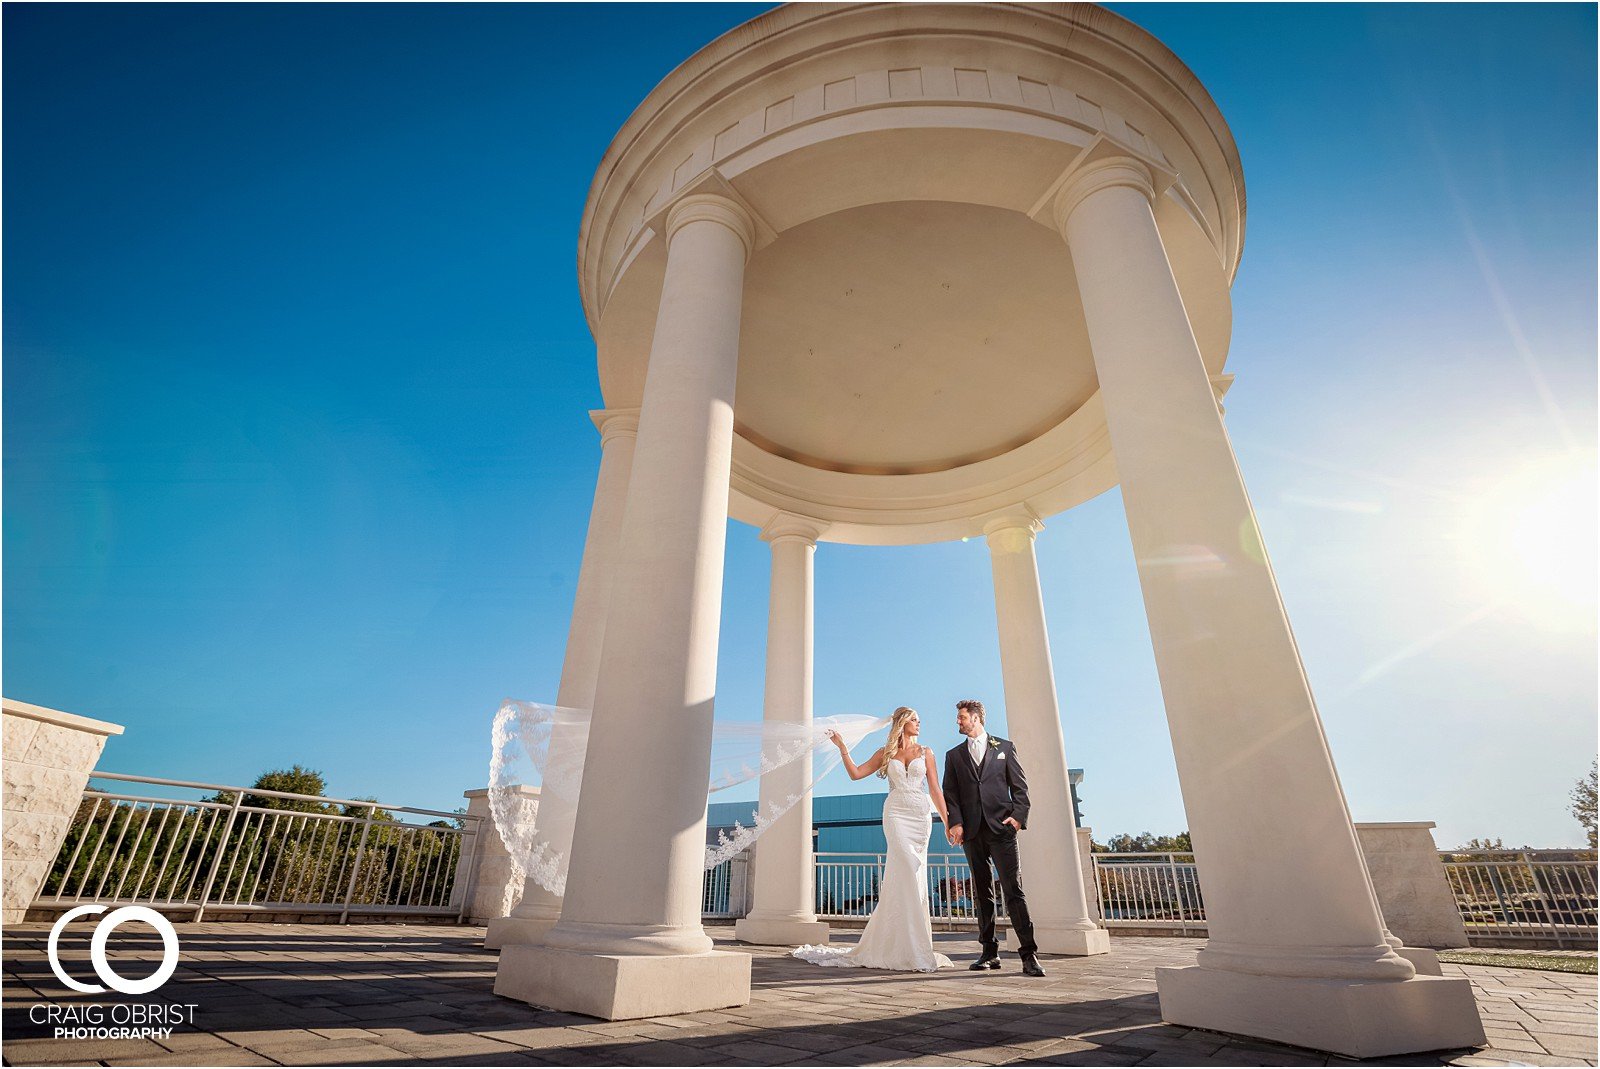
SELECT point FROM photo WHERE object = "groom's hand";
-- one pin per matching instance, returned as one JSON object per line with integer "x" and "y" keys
{"x": 953, "y": 835}
{"x": 1013, "y": 822}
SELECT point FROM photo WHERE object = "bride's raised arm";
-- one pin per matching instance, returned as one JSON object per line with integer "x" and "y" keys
{"x": 935, "y": 791}
{"x": 854, "y": 770}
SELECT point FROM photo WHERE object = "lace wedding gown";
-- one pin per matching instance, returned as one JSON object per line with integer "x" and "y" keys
{"x": 899, "y": 935}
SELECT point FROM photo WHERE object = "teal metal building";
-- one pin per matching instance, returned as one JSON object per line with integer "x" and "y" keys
{"x": 851, "y": 823}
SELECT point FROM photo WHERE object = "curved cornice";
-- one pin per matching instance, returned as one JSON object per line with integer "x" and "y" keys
{"x": 1084, "y": 33}
{"x": 1066, "y": 466}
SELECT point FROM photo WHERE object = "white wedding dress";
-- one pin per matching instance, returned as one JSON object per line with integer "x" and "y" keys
{"x": 899, "y": 934}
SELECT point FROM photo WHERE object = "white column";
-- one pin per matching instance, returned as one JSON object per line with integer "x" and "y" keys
{"x": 784, "y": 910}
{"x": 1297, "y": 950}
{"x": 1052, "y": 868}
{"x": 538, "y": 909}
{"x": 629, "y": 942}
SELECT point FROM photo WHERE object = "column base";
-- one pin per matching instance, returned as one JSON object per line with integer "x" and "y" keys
{"x": 1356, "y": 1018}
{"x": 780, "y": 932}
{"x": 616, "y": 987}
{"x": 506, "y": 931}
{"x": 1077, "y": 942}
{"x": 1425, "y": 961}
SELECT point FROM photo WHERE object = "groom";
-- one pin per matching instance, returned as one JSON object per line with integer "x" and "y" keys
{"x": 987, "y": 796}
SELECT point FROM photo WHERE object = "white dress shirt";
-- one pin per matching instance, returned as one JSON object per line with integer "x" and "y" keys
{"x": 975, "y": 745}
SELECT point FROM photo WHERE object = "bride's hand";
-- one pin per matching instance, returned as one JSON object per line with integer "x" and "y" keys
{"x": 835, "y": 738}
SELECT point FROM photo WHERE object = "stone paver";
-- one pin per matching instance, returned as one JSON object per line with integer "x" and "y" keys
{"x": 423, "y": 995}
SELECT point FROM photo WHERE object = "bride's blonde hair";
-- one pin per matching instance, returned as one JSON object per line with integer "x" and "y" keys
{"x": 897, "y": 729}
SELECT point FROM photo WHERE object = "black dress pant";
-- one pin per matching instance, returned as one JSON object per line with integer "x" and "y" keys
{"x": 1001, "y": 848}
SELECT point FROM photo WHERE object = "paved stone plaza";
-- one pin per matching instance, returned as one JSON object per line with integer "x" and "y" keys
{"x": 397, "y": 994}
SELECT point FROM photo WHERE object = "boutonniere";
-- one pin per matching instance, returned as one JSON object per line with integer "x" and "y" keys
{"x": 994, "y": 743}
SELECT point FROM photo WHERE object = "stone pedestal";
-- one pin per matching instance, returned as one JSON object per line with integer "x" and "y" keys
{"x": 1074, "y": 942}
{"x": 618, "y": 987}
{"x": 48, "y": 757}
{"x": 781, "y": 931}
{"x": 509, "y": 930}
{"x": 1353, "y": 1018}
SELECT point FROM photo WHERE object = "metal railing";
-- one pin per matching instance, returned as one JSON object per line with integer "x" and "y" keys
{"x": 847, "y": 887}
{"x": 1143, "y": 890}
{"x": 1540, "y": 895}
{"x": 249, "y": 850}
{"x": 1149, "y": 891}
{"x": 243, "y": 850}
{"x": 1544, "y": 895}
{"x": 726, "y": 889}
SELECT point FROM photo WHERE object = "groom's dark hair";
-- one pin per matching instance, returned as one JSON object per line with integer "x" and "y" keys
{"x": 973, "y": 706}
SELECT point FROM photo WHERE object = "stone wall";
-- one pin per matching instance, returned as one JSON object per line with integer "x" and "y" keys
{"x": 1409, "y": 878}
{"x": 496, "y": 885}
{"x": 1091, "y": 893}
{"x": 48, "y": 757}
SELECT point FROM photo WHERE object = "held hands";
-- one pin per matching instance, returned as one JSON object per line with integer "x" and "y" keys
{"x": 953, "y": 835}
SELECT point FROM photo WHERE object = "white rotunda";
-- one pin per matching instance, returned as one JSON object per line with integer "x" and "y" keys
{"x": 898, "y": 273}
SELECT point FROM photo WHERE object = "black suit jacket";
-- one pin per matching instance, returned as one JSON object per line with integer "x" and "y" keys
{"x": 986, "y": 795}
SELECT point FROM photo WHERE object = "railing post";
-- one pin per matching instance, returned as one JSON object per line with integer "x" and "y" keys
{"x": 1177, "y": 894}
{"x": 216, "y": 858}
{"x": 355, "y": 868}
{"x": 1507, "y": 920}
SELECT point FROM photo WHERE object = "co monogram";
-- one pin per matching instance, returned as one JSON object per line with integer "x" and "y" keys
{"x": 97, "y": 949}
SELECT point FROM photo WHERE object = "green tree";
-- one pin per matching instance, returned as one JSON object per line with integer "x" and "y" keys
{"x": 1583, "y": 802}
{"x": 296, "y": 779}
{"x": 1484, "y": 844}
{"x": 1147, "y": 843}
{"x": 286, "y": 852}
{"x": 378, "y": 813}
{"x": 119, "y": 849}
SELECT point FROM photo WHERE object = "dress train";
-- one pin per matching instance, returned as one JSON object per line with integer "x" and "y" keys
{"x": 899, "y": 934}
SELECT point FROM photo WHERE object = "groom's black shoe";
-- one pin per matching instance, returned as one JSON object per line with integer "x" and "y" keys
{"x": 984, "y": 963}
{"x": 1031, "y": 966}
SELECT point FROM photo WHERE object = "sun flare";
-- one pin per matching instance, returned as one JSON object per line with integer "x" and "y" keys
{"x": 1533, "y": 534}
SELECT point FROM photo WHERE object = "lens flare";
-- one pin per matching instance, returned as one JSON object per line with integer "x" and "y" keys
{"x": 1534, "y": 537}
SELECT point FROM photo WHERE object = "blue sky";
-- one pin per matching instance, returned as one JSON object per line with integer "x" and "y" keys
{"x": 297, "y": 461}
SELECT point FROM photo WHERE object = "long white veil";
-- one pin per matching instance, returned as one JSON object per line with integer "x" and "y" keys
{"x": 544, "y": 745}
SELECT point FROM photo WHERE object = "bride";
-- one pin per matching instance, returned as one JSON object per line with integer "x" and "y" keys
{"x": 899, "y": 934}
